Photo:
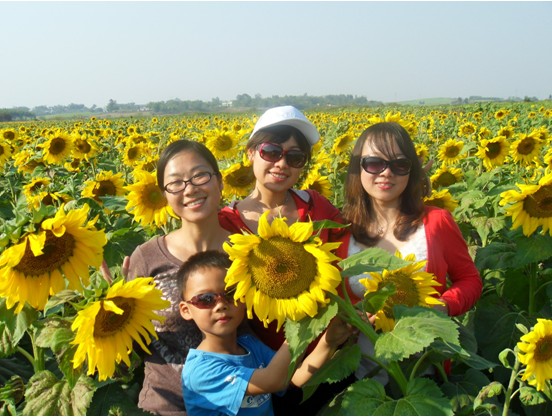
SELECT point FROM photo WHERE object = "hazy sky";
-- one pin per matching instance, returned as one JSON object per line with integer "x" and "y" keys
{"x": 90, "y": 52}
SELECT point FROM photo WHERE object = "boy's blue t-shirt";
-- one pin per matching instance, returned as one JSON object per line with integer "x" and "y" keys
{"x": 215, "y": 383}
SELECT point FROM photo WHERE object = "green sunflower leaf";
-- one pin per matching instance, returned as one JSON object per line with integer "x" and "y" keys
{"x": 372, "y": 259}
{"x": 415, "y": 329}
{"x": 299, "y": 334}
{"x": 48, "y": 396}
{"x": 13, "y": 327}
{"x": 367, "y": 397}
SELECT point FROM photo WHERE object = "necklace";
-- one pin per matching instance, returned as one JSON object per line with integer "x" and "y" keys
{"x": 380, "y": 230}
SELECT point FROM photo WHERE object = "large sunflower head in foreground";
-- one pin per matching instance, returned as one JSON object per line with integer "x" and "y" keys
{"x": 413, "y": 287}
{"x": 107, "y": 329}
{"x": 535, "y": 351}
{"x": 51, "y": 259}
{"x": 531, "y": 206}
{"x": 283, "y": 272}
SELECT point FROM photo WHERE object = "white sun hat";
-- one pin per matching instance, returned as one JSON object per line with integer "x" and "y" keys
{"x": 287, "y": 116}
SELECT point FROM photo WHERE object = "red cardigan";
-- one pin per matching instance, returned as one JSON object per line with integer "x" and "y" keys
{"x": 447, "y": 257}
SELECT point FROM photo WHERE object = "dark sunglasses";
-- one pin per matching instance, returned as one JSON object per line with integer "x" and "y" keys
{"x": 375, "y": 165}
{"x": 211, "y": 299}
{"x": 272, "y": 152}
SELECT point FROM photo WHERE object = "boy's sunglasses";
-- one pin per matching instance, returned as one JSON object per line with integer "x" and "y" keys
{"x": 272, "y": 152}
{"x": 211, "y": 299}
{"x": 375, "y": 165}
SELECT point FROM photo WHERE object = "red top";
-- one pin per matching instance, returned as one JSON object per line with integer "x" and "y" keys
{"x": 311, "y": 205}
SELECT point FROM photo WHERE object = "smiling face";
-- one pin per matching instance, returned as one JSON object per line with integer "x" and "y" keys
{"x": 386, "y": 187}
{"x": 223, "y": 318}
{"x": 195, "y": 202}
{"x": 275, "y": 176}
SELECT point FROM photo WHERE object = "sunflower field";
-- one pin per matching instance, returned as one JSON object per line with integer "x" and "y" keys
{"x": 77, "y": 196}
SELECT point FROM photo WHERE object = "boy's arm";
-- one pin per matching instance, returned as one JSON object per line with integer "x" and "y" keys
{"x": 273, "y": 378}
{"x": 335, "y": 335}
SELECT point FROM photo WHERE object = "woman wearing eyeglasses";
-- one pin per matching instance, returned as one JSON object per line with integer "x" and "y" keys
{"x": 188, "y": 174}
{"x": 384, "y": 192}
{"x": 278, "y": 148}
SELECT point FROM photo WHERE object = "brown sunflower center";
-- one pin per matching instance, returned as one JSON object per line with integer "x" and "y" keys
{"x": 57, "y": 146}
{"x": 241, "y": 178}
{"x": 526, "y": 146}
{"x": 133, "y": 153}
{"x": 2, "y": 150}
{"x": 153, "y": 198}
{"x": 543, "y": 350}
{"x": 406, "y": 292}
{"x": 83, "y": 146}
{"x": 452, "y": 151}
{"x": 9, "y": 135}
{"x": 445, "y": 179}
{"x": 103, "y": 188}
{"x": 108, "y": 323}
{"x": 224, "y": 143}
{"x": 282, "y": 268}
{"x": 539, "y": 204}
{"x": 493, "y": 150}
{"x": 57, "y": 250}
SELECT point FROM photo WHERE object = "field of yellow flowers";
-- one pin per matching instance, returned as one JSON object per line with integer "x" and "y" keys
{"x": 74, "y": 194}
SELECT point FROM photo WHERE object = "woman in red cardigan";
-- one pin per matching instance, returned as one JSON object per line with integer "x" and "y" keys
{"x": 384, "y": 193}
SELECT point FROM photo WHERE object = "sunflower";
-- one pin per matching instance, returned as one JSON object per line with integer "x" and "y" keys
{"x": 107, "y": 329}
{"x": 84, "y": 147}
{"x": 467, "y": 129}
{"x": 58, "y": 147}
{"x": 530, "y": 207}
{"x": 36, "y": 186}
{"x": 442, "y": 199}
{"x": 535, "y": 351}
{"x": 283, "y": 272}
{"x": 493, "y": 151}
{"x": 238, "y": 180}
{"x": 342, "y": 143}
{"x": 450, "y": 151}
{"x": 5, "y": 152}
{"x": 146, "y": 201}
{"x": 445, "y": 177}
{"x": 9, "y": 135}
{"x": 63, "y": 247}
{"x": 506, "y": 131}
{"x": 525, "y": 148}
{"x": 223, "y": 143}
{"x": 501, "y": 114}
{"x": 105, "y": 184}
{"x": 316, "y": 181}
{"x": 413, "y": 287}
{"x": 422, "y": 151}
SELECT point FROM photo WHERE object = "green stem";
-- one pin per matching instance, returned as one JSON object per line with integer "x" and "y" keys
{"x": 418, "y": 363}
{"x": 351, "y": 316}
{"x": 509, "y": 391}
{"x": 27, "y": 355}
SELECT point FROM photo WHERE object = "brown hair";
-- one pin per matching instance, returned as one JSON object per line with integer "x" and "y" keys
{"x": 358, "y": 208}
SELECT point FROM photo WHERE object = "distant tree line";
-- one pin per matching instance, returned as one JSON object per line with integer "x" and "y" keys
{"x": 243, "y": 102}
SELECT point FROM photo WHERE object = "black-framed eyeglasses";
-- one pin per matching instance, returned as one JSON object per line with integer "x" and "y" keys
{"x": 178, "y": 186}
{"x": 375, "y": 165}
{"x": 211, "y": 299}
{"x": 273, "y": 152}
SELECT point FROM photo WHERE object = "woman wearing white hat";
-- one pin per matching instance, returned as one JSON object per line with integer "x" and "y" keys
{"x": 278, "y": 148}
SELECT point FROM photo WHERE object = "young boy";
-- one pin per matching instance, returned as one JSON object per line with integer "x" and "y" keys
{"x": 229, "y": 374}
